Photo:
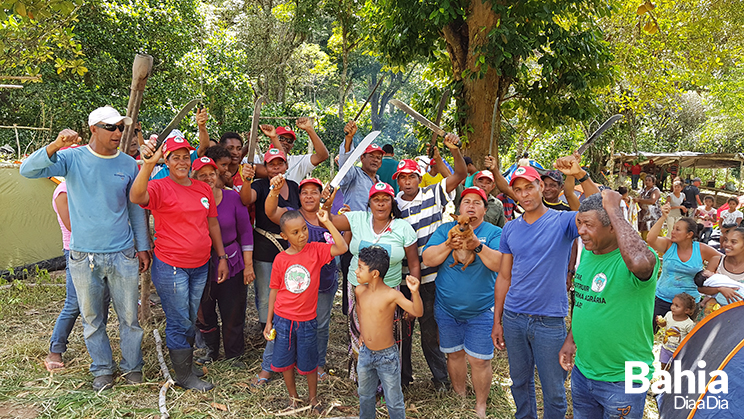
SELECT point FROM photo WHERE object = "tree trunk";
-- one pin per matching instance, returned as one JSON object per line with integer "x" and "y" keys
{"x": 479, "y": 94}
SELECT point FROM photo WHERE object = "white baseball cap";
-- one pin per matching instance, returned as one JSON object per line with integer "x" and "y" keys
{"x": 107, "y": 115}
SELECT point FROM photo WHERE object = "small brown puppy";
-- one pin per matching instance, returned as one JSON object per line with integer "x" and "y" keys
{"x": 464, "y": 230}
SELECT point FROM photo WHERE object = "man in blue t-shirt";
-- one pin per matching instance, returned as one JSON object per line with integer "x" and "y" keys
{"x": 530, "y": 295}
{"x": 109, "y": 240}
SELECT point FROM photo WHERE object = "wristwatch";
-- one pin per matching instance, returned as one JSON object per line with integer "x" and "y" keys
{"x": 584, "y": 178}
{"x": 225, "y": 257}
{"x": 479, "y": 248}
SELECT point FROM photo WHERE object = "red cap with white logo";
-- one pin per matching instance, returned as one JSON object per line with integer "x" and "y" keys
{"x": 373, "y": 148}
{"x": 524, "y": 172}
{"x": 407, "y": 166}
{"x": 274, "y": 153}
{"x": 381, "y": 187}
{"x": 476, "y": 190}
{"x": 201, "y": 162}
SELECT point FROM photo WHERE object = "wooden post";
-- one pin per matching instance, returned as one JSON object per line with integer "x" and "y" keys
{"x": 741, "y": 177}
{"x": 18, "y": 141}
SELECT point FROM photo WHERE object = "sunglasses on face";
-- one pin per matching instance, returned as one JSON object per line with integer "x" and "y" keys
{"x": 289, "y": 140}
{"x": 110, "y": 127}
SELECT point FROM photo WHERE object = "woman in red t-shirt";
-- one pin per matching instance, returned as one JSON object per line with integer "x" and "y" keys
{"x": 186, "y": 229}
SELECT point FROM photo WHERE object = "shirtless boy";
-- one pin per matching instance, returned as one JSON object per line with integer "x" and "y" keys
{"x": 378, "y": 356}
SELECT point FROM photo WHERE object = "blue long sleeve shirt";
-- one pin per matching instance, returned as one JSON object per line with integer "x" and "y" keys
{"x": 356, "y": 184}
{"x": 102, "y": 217}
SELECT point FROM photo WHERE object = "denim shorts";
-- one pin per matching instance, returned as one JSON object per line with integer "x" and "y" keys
{"x": 473, "y": 335}
{"x": 296, "y": 344}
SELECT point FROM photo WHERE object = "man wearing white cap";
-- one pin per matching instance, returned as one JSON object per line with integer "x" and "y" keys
{"x": 99, "y": 177}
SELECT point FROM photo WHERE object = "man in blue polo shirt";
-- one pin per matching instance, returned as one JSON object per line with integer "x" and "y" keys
{"x": 530, "y": 294}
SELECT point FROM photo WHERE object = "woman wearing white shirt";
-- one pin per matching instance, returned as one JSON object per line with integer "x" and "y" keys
{"x": 732, "y": 215}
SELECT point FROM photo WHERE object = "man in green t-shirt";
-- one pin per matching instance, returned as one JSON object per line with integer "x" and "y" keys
{"x": 613, "y": 314}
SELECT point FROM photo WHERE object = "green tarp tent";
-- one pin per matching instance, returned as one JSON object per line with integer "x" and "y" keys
{"x": 29, "y": 232}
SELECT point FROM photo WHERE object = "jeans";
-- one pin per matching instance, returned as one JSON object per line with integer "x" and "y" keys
{"x": 95, "y": 276}
{"x": 600, "y": 399}
{"x": 323, "y": 316}
{"x": 261, "y": 288}
{"x": 180, "y": 291}
{"x": 429, "y": 338}
{"x": 634, "y": 181}
{"x": 382, "y": 366}
{"x": 70, "y": 312}
{"x": 295, "y": 345}
{"x": 535, "y": 341}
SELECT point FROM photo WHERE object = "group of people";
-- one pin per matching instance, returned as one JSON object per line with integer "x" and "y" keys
{"x": 222, "y": 223}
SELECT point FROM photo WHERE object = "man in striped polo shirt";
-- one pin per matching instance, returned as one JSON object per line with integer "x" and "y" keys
{"x": 423, "y": 208}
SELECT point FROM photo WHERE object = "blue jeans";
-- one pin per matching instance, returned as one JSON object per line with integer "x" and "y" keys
{"x": 180, "y": 291}
{"x": 69, "y": 314}
{"x": 261, "y": 289}
{"x": 95, "y": 276}
{"x": 535, "y": 341}
{"x": 382, "y": 366}
{"x": 600, "y": 399}
{"x": 323, "y": 316}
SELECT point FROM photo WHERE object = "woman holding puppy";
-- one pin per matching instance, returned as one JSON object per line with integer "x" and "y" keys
{"x": 465, "y": 295}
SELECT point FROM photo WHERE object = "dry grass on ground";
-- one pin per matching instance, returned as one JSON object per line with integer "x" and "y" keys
{"x": 27, "y": 390}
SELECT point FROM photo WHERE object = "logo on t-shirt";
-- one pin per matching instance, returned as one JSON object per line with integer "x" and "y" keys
{"x": 205, "y": 202}
{"x": 599, "y": 282}
{"x": 297, "y": 279}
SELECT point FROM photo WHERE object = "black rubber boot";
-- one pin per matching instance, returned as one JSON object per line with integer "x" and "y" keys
{"x": 212, "y": 341}
{"x": 182, "y": 360}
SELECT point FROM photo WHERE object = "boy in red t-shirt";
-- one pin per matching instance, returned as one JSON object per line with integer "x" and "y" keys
{"x": 293, "y": 301}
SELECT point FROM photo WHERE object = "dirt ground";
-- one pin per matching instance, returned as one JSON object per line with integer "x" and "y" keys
{"x": 27, "y": 390}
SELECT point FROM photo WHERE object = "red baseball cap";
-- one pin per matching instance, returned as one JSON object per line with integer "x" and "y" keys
{"x": 381, "y": 187}
{"x": 407, "y": 166}
{"x": 201, "y": 162}
{"x": 274, "y": 153}
{"x": 373, "y": 148}
{"x": 313, "y": 181}
{"x": 175, "y": 141}
{"x": 486, "y": 174}
{"x": 286, "y": 131}
{"x": 524, "y": 172}
{"x": 476, "y": 190}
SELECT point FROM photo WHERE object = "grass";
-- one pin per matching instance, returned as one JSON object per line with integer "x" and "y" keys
{"x": 27, "y": 390}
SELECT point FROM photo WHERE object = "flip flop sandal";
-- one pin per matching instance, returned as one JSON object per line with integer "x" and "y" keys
{"x": 259, "y": 382}
{"x": 323, "y": 376}
{"x": 318, "y": 409}
{"x": 53, "y": 365}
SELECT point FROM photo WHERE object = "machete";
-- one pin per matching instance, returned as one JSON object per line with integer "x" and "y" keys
{"x": 440, "y": 110}
{"x": 253, "y": 140}
{"x": 349, "y": 163}
{"x": 608, "y": 123}
{"x": 368, "y": 99}
{"x": 417, "y": 116}
{"x": 174, "y": 123}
